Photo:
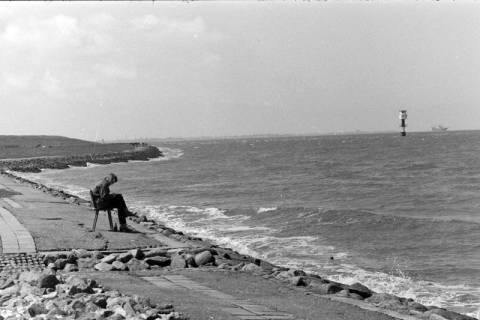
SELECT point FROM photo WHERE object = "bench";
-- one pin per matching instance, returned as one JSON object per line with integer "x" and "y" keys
{"x": 97, "y": 210}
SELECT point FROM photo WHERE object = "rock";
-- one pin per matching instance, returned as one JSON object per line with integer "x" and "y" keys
{"x": 190, "y": 260}
{"x": 296, "y": 273}
{"x": 109, "y": 259}
{"x": 81, "y": 253}
{"x": 251, "y": 267}
{"x": 119, "y": 266}
{"x": 36, "y": 308}
{"x": 47, "y": 281}
{"x": 137, "y": 254}
{"x": 30, "y": 277}
{"x": 50, "y": 295}
{"x": 388, "y": 301}
{"x": 167, "y": 232}
{"x": 103, "y": 266}
{"x": 78, "y": 305}
{"x": 51, "y": 266}
{"x": 282, "y": 275}
{"x": 297, "y": 281}
{"x": 136, "y": 265}
{"x": 412, "y": 305}
{"x": 446, "y": 314}
{"x": 124, "y": 257}
{"x": 7, "y": 283}
{"x": 324, "y": 288}
{"x": 51, "y": 258}
{"x": 158, "y": 261}
{"x": 237, "y": 267}
{"x": 361, "y": 290}
{"x": 97, "y": 255}
{"x": 70, "y": 268}
{"x": 178, "y": 261}
{"x": 203, "y": 258}
{"x": 86, "y": 263}
{"x": 60, "y": 263}
{"x": 156, "y": 252}
{"x": 100, "y": 301}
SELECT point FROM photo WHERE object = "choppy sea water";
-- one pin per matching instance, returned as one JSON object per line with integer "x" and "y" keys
{"x": 398, "y": 214}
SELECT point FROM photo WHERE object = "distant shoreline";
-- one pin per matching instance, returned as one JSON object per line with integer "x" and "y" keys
{"x": 35, "y": 163}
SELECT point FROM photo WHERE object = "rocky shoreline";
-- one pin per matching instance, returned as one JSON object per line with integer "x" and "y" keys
{"x": 36, "y": 164}
{"x": 205, "y": 255}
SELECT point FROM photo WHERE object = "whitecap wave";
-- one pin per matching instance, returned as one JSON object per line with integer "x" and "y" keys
{"x": 262, "y": 210}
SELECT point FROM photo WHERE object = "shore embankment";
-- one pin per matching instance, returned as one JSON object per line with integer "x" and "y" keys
{"x": 36, "y": 164}
{"x": 192, "y": 253}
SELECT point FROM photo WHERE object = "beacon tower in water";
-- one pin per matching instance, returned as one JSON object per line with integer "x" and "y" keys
{"x": 403, "y": 117}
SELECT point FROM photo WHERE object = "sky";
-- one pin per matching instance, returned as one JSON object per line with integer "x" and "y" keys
{"x": 130, "y": 70}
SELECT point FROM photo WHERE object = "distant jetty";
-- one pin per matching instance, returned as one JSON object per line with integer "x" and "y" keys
{"x": 439, "y": 128}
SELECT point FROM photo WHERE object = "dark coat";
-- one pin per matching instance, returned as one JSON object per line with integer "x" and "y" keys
{"x": 101, "y": 191}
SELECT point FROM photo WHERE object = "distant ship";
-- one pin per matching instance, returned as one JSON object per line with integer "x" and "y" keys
{"x": 439, "y": 128}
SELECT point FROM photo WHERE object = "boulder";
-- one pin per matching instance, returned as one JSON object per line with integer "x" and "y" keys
{"x": 190, "y": 260}
{"x": 97, "y": 255}
{"x": 125, "y": 257}
{"x": 79, "y": 285}
{"x": 60, "y": 263}
{"x": 137, "y": 254}
{"x": 156, "y": 252}
{"x": 136, "y": 265}
{"x": 446, "y": 314}
{"x": 178, "y": 261}
{"x": 30, "y": 277}
{"x": 103, "y": 266}
{"x": 47, "y": 281}
{"x": 86, "y": 263}
{"x": 203, "y": 258}
{"x": 361, "y": 290}
{"x": 7, "y": 283}
{"x": 324, "y": 288}
{"x": 251, "y": 267}
{"x": 52, "y": 257}
{"x": 388, "y": 301}
{"x": 119, "y": 266}
{"x": 100, "y": 301}
{"x": 296, "y": 273}
{"x": 297, "y": 281}
{"x": 412, "y": 305}
{"x": 109, "y": 259}
{"x": 70, "y": 268}
{"x": 158, "y": 261}
{"x": 36, "y": 308}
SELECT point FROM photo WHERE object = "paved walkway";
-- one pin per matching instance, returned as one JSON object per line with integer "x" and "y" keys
{"x": 15, "y": 238}
{"x": 241, "y": 309}
{"x": 32, "y": 220}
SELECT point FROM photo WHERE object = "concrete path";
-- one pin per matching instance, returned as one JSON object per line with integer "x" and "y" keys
{"x": 15, "y": 238}
{"x": 36, "y": 221}
{"x": 241, "y": 309}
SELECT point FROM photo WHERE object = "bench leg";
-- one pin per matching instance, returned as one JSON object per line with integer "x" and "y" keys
{"x": 110, "y": 219}
{"x": 95, "y": 220}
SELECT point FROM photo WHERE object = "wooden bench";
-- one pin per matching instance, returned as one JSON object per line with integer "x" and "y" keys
{"x": 97, "y": 210}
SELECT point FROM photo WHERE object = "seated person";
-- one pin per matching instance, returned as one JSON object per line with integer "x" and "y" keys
{"x": 106, "y": 200}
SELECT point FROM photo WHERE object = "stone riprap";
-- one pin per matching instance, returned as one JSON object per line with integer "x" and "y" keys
{"x": 48, "y": 295}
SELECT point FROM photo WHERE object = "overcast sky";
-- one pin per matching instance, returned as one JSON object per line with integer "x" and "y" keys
{"x": 117, "y": 70}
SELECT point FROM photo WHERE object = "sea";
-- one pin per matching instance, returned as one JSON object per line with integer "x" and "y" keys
{"x": 400, "y": 215}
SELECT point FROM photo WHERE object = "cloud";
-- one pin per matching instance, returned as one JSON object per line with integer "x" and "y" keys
{"x": 145, "y": 22}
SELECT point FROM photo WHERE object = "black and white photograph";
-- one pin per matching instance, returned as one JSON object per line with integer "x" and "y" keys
{"x": 240, "y": 160}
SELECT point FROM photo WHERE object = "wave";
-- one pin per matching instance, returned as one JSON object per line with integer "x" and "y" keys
{"x": 262, "y": 210}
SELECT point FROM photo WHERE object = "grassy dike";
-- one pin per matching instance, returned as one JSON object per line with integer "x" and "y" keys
{"x": 58, "y": 293}
{"x": 33, "y": 153}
